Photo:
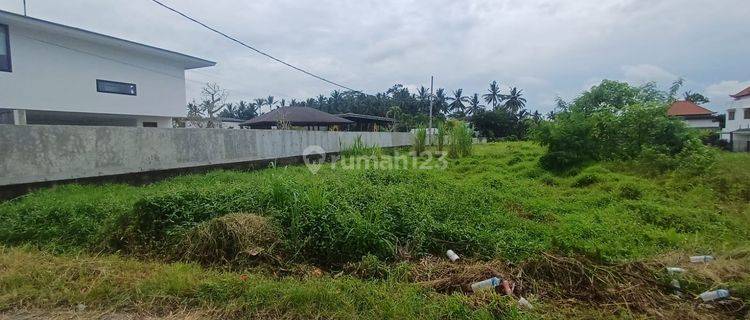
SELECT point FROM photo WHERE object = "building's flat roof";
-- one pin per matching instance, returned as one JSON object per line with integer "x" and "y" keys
{"x": 189, "y": 62}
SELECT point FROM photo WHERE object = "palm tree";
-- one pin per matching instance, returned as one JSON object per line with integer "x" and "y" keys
{"x": 514, "y": 101}
{"x": 423, "y": 94}
{"x": 457, "y": 106}
{"x": 246, "y": 110}
{"x": 270, "y": 102}
{"x": 260, "y": 102}
{"x": 440, "y": 101}
{"x": 229, "y": 111}
{"x": 321, "y": 101}
{"x": 475, "y": 105}
{"x": 494, "y": 96}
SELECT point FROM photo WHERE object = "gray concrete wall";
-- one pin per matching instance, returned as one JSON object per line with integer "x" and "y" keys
{"x": 38, "y": 153}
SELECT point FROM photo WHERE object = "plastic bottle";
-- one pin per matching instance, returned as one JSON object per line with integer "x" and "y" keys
{"x": 452, "y": 255}
{"x": 673, "y": 270}
{"x": 676, "y": 284}
{"x": 701, "y": 259}
{"x": 485, "y": 284}
{"x": 713, "y": 295}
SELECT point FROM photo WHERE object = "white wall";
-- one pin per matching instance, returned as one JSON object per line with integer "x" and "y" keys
{"x": 702, "y": 123}
{"x": 56, "y": 72}
{"x": 739, "y": 121}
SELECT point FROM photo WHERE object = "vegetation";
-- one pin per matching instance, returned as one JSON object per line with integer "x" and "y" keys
{"x": 385, "y": 232}
{"x": 420, "y": 140}
{"x": 615, "y": 121}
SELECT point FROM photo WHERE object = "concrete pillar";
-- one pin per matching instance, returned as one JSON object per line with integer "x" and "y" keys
{"x": 19, "y": 117}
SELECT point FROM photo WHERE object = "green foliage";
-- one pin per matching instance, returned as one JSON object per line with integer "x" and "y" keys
{"x": 460, "y": 140}
{"x": 614, "y": 121}
{"x": 440, "y": 135}
{"x": 496, "y": 202}
{"x": 420, "y": 140}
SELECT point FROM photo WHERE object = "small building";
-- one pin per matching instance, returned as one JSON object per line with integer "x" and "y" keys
{"x": 369, "y": 123}
{"x": 297, "y": 118}
{"x": 694, "y": 115}
{"x": 60, "y": 75}
{"x": 737, "y": 127}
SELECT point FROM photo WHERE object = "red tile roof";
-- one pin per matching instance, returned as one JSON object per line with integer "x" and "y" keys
{"x": 687, "y": 108}
{"x": 743, "y": 93}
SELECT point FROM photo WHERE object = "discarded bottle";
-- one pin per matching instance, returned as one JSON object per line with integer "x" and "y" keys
{"x": 713, "y": 295}
{"x": 452, "y": 255}
{"x": 485, "y": 284}
{"x": 701, "y": 259}
{"x": 673, "y": 270}
{"x": 676, "y": 284}
{"x": 523, "y": 303}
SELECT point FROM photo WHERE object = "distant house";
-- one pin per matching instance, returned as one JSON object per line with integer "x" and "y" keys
{"x": 364, "y": 122}
{"x": 737, "y": 128}
{"x": 297, "y": 118}
{"x": 694, "y": 115}
{"x": 55, "y": 74}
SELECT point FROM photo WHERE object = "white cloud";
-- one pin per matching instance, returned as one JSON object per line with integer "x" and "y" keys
{"x": 644, "y": 73}
{"x": 719, "y": 92}
{"x": 544, "y": 47}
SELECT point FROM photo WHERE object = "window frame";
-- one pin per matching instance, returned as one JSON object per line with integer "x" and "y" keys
{"x": 730, "y": 115}
{"x": 746, "y": 113}
{"x": 5, "y": 28}
{"x": 135, "y": 87}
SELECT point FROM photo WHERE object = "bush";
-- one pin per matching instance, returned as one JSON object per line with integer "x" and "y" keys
{"x": 420, "y": 140}
{"x": 614, "y": 121}
{"x": 460, "y": 140}
{"x": 237, "y": 239}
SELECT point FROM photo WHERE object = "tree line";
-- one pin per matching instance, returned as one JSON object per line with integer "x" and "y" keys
{"x": 410, "y": 109}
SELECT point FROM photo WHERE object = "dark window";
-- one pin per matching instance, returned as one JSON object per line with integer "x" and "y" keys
{"x": 150, "y": 125}
{"x": 5, "y": 49}
{"x": 115, "y": 87}
{"x": 730, "y": 115}
{"x": 747, "y": 113}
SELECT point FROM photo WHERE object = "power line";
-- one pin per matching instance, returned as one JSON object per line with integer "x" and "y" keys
{"x": 254, "y": 49}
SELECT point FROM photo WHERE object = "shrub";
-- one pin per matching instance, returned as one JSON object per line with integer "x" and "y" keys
{"x": 237, "y": 239}
{"x": 460, "y": 140}
{"x": 420, "y": 140}
{"x": 440, "y": 135}
{"x": 630, "y": 192}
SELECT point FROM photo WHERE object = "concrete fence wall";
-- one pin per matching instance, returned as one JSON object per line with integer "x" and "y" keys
{"x": 36, "y": 153}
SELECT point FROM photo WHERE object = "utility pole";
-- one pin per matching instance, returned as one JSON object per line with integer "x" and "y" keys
{"x": 24, "y": 7}
{"x": 429, "y": 130}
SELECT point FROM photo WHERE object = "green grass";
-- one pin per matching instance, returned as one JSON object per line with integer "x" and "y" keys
{"x": 497, "y": 203}
{"x": 35, "y": 279}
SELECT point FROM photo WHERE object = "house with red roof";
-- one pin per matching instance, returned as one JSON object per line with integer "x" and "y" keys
{"x": 694, "y": 115}
{"x": 737, "y": 128}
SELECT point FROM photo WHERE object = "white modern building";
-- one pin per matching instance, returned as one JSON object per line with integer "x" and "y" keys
{"x": 56, "y": 74}
{"x": 737, "y": 128}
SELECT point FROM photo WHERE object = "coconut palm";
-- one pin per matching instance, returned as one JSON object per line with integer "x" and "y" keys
{"x": 475, "y": 105}
{"x": 440, "y": 101}
{"x": 260, "y": 102}
{"x": 514, "y": 100}
{"x": 423, "y": 94}
{"x": 494, "y": 96}
{"x": 270, "y": 102}
{"x": 457, "y": 106}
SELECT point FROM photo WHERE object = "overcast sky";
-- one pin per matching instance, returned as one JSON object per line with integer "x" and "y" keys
{"x": 547, "y": 48}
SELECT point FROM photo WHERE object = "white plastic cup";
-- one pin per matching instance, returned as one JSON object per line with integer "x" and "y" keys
{"x": 701, "y": 259}
{"x": 452, "y": 255}
{"x": 485, "y": 284}
{"x": 713, "y": 295}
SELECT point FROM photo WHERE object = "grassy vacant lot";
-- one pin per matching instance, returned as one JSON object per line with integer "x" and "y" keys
{"x": 370, "y": 242}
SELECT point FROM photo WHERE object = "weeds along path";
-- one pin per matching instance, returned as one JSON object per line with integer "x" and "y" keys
{"x": 496, "y": 205}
